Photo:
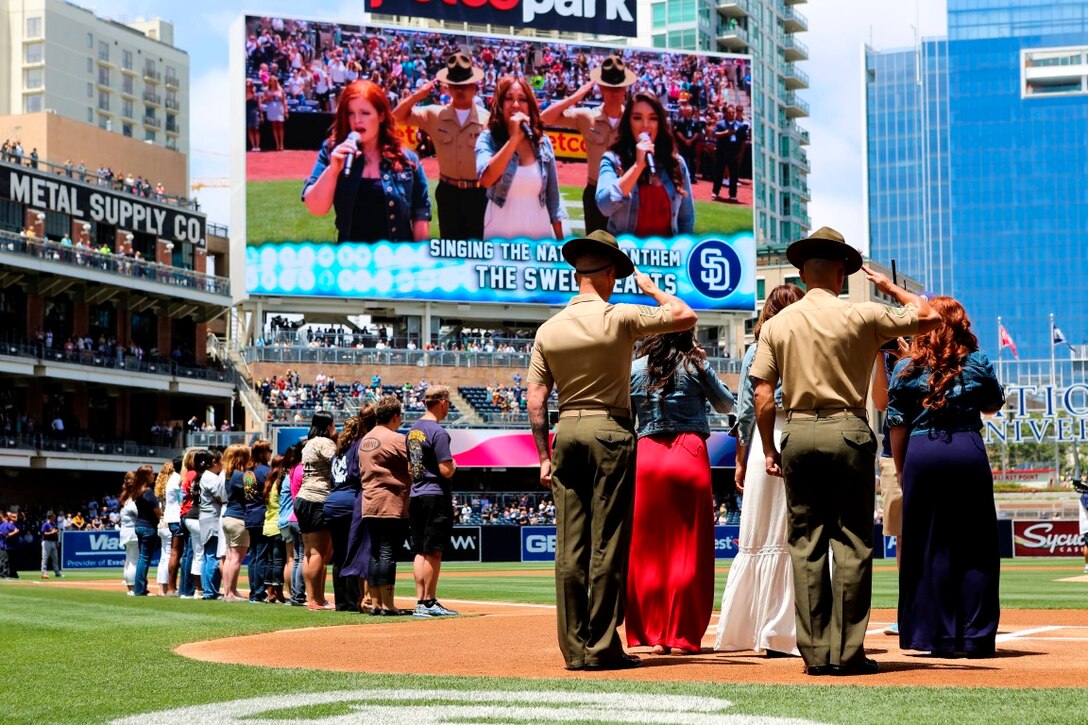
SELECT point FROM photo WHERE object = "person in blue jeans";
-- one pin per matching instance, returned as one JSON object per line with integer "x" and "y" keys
{"x": 148, "y": 514}
{"x": 212, "y": 497}
{"x": 288, "y": 523}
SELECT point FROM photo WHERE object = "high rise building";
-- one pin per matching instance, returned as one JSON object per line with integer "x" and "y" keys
{"x": 767, "y": 30}
{"x": 978, "y": 167}
{"x": 127, "y": 78}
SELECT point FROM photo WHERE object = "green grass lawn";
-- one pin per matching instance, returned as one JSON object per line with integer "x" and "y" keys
{"x": 79, "y": 656}
{"x": 274, "y": 213}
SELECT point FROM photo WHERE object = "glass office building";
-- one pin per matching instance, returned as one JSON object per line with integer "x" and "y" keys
{"x": 977, "y": 165}
{"x": 767, "y": 30}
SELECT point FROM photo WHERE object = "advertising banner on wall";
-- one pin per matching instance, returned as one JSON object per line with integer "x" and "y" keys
{"x": 538, "y": 542}
{"x": 465, "y": 545}
{"x": 600, "y": 17}
{"x": 94, "y": 550}
{"x": 486, "y": 154}
{"x": 1046, "y": 538}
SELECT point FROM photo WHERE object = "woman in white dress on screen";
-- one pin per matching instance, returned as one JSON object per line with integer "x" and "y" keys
{"x": 515, "y": 162}
{"x": 757, "y": 610}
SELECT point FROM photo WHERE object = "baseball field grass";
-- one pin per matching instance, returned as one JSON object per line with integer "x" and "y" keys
{"x": 76, "y": 655}
{"x": 275, "y": 213}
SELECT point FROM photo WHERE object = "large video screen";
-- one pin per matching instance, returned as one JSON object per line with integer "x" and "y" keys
{"x": 410, "y": 164}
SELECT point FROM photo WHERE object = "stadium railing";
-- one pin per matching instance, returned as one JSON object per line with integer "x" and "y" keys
{"x": 126, "y": 362}
{"x": 90, "y": 258}
{"x": 84, "y": 444}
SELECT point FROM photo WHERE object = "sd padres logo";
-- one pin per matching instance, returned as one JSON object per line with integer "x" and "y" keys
{"x": 714, "y": 268}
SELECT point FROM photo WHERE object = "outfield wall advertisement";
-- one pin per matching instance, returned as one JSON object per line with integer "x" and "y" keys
{"x": 458, "y": 204}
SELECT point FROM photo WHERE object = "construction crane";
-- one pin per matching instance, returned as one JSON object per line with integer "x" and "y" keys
{"x": 210, "y": 182}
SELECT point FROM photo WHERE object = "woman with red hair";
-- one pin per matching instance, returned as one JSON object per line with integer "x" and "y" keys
{"x": 948, "y": 577}
{"x": 377, "y": 185}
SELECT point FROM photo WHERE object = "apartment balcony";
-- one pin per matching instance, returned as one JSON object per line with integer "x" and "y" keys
{"x": 793, "y": 21}
{"x": 797, "y": 133}
{"x": 129, "y": 93}
{"x": 798, "y": 216}
{"x": 733, "y": 8}
{"x": 152, "y": 121}
{"x": 795, "y": 2}
{"x": 732, "y": 38}
{"x": 795, "y": 107}
{"x": 105, "y": 62}
{"x": 174, "y": 105}
{"x": 152, "y": 98}
{"x": 800, "y": 159}
{"x": 794, "y": 49}
{"x": 800, "y": 187}
{"x": 172, "y": 82}
{"x": 795, "y": 77}
{"x": 130, "y": 71}
{"x": 152, "y": 76}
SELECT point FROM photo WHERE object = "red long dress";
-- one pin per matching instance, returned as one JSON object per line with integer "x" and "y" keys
{"x": 670, "y": 580}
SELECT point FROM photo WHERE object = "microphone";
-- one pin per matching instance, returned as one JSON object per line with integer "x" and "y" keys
{"x": 354, "y": 138}
{"x": 649, "y": 154}
{"x": 527, "y": 130}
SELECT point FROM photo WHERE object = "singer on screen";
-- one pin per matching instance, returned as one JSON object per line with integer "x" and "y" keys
{"x": 515, "y": 162}
{"x": 363, "y": 169}
{"x": 644, "y": 187}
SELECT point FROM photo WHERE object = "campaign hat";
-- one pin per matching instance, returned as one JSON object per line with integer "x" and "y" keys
{"x": 599, "y": 246}
{"x": 824, "y": 243}
{"x": 613, "y": 72}
{"x": 459, "y": 71}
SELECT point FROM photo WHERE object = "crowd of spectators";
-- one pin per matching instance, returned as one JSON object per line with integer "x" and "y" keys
{"x": 105, "y": 349}
{"x": 12, "y": 151}
{"x": 524, "y": 509}
{"x": 313, "y": 61}
{"x": 287, "y": 392}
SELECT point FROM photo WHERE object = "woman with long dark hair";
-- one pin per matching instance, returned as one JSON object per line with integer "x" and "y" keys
{"x": 757, "y": 611}
{"x": 256, "y": 506}
{"x": 516, "y": 164}
{"x": 384, "y": 174}
{"x": 342, "y": 503}
{"x": 148, "y": 513}
{"x": 273, "y": 572}
{"x": 639, "y": 197}
{"x": 192, "y": 558}
{"x": 670, "y": 585}
{"x": 317, "y": 457}
{"x": 948, "y": 576}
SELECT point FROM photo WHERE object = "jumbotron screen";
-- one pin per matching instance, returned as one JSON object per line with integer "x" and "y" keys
{"x": 397, "y": 163}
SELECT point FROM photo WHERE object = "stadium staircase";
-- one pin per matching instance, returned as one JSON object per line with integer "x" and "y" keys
{"x": 230, "y": 356}
{"x": 469, "y": 415}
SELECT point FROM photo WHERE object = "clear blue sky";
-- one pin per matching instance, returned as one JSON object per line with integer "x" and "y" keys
{"x": 837, "y": 31}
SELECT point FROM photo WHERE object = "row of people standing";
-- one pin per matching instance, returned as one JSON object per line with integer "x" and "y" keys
{"x": 498, "y": 176}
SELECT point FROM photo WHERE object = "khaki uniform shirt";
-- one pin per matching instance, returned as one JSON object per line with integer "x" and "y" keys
{"x": 597, "y": 132}
{"x": 822, "y": 349}
{"x": 383, "y": 472}
{"x": 455, "y": 144}
{"x": 585, "y": 350}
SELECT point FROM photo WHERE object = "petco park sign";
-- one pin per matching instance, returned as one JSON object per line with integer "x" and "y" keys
{"x": 606, "y": 17}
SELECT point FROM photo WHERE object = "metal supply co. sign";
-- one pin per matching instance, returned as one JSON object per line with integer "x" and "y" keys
{"x": 601, "y": 17}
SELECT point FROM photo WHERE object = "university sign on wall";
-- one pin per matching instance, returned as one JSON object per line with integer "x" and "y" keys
{"x": 1038, "y": 413}
{"x": 601, "y": 17}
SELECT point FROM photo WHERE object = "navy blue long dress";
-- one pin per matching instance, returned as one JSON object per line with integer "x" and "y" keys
{"x": 951, "y": 562}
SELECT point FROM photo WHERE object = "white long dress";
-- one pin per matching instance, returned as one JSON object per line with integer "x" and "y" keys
{"x": 758, "y": 611}
{"x": 521, "y": 215}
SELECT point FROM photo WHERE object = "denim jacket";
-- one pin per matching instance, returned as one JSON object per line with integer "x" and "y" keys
{"x": 683, "y": 410}
{"x": 975, "y": 390}
{"x": 622, "y": 211}
{"x": 406, "y": 190}
{"x": 746, "y": 404}
{"x": 545, "y": 159}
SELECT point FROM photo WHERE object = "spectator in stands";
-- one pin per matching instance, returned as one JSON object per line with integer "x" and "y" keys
{"x": 255, "y": 509}
{"x": 274, "y": 569}
{"x": 240, "y": 480}
{"x": 430, "y": 509}
{"x": 148, "y": 513}
{"x": 288, "y": 523}
{"x": 128, "y": 539}
{"x": 77, "y": 522}
{"x": 253, "y": 116}
{"x": 317, "y": 457}
{"x": 670, "y": 583}
{"x": 274, "y": 105}
{"x": 343, "y": 512}
{"x": 212, "y": 497}
{"x": 378, "y": 154}
{"x": 166, "y": 537}
{"x": 386, "y": 482}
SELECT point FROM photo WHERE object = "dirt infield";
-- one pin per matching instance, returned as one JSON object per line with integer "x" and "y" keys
{"x": 1035, "y": 648}
{"x": 279, "y": 165}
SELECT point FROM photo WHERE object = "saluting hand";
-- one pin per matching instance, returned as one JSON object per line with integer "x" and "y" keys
{"x": 425, "y": 90}
{"x": 583, "y": 91}
{"x": 646, "y": 284}
{"x": 881, "y": 281}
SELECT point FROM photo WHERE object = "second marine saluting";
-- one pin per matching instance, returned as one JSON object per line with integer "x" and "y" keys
{"x": 363, "y": 166}
{"x": 453, "y": 130}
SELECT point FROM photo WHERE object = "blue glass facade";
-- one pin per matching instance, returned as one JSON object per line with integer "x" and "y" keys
{"x": 978, "y": 176}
